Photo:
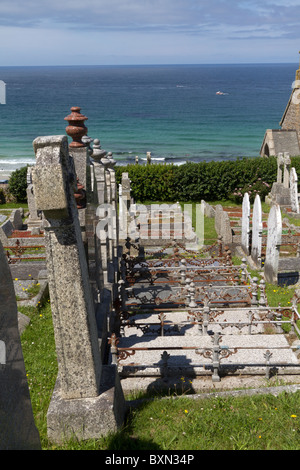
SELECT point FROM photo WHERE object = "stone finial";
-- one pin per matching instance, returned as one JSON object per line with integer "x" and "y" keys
{"x": 111, "y": 159}
{"x": 86, "y": 140}
{"x": 76, "y": 128}
{"x": 98, "y": 153}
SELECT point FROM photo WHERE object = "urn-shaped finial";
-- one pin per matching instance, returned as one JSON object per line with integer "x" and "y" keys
{"x": 76, "y": 128}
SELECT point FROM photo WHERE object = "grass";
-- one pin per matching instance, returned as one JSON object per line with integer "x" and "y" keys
{"x": 275, "y": 294}
{"x": 14, "y": 205}
{"x": 252, "y": 423}
{"x": 31, "y": 291}
{"x": 40, "y": 361}
{"x": 210, "y": 234}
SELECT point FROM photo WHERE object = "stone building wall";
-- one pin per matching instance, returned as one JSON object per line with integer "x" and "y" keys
{"x": 287, "y": 138}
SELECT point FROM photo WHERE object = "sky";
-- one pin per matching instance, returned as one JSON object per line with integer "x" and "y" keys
{"x": 130, "y": 32}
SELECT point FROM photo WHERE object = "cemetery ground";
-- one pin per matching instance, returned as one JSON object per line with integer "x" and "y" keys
{"x": 178, "y": 419}
{"x": 175, "y": 420}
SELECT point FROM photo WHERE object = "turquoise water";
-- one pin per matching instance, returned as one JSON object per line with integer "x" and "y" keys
{"x": 172, "y": 111}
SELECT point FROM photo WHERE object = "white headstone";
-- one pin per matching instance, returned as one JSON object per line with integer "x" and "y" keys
{"x": 294, "y": 191}
{"x": 256, "y": 231}
{"x": 245, "y": 223}
{"x": 273, "y": 244}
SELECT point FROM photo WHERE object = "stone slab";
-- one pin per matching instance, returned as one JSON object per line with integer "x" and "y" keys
{"x": 87, "y": 418}
{"x": 17, "y": 427}
{"x": 229, "y": 322}
{"x": 252, "y": 350}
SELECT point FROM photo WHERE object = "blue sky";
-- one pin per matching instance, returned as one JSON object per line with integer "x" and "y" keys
{"x": 79, "y": 32}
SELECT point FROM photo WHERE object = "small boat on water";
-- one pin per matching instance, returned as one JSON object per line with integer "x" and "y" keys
{"x": 220, "y": 93}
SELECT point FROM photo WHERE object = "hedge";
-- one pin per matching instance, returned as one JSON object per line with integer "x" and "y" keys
{"x": 211, "y": 181}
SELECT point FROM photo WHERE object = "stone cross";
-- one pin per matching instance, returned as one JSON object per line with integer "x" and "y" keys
{"x": 256, "y": 231}
{"x": 17, "y": 427}
{"x": 245, "y": 223}
{"x": 294, "y": 190}
{"x": 286, "y": 169}
{"x": 283, "y": 168}
{"x": 273, "y": 245}
{"x": 279, "y": 167}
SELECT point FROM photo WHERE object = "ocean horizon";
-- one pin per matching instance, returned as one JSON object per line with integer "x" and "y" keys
{"x": 172, "y": 111}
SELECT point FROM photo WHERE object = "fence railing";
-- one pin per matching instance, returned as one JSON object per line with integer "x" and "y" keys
{"x": 215, "y": 353}
{"x": 17, "y": 252}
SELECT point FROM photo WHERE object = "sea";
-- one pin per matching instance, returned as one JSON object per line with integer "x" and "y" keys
{"x": 172, "y": 111}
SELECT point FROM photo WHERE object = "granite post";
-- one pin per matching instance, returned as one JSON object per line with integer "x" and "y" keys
{"x": 125, "y": 203}
{"x": 17, "y": 427}
{"x": 78, "y": 407}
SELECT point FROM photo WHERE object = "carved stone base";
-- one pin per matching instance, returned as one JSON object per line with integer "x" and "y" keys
{"x": 87, "y": 418}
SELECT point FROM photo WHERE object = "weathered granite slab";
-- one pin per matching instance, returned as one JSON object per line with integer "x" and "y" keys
{"x": 17, "y": 427}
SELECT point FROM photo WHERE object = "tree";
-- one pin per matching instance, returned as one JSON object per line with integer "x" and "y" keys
{"x": 17, "y": 184}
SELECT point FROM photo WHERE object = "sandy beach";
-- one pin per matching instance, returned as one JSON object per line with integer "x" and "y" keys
{"x": 5, "y": 175}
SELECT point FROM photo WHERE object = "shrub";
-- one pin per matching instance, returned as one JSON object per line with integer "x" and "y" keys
{"x": 2, "y": 196}
{"x": 17, "y": 184}
{"x": 210, "y": 181}
{"x": 150, "y": 182}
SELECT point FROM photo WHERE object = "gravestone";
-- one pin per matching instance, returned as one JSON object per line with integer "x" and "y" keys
{"x": 222, "y": 224}
{"x": 225, "y": 228}
{"x": 218, "y": 215}
{"x": 245, "y": 223}
{"x": 294, "y": 190}
{"x": 256, "y": 232}
{"x": 16, "y": 219}
{"x": 78, "y": 407}
{"x": 208, "y": 210}
{"x": 6, "y": 230}
{"x": 17, "y": 427}
{"x": 34, "y": 219}
{"x": 273, "y": 244}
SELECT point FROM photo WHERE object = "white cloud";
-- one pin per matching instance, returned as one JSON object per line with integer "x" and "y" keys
{"x": 149, "y": 14}
{"x": 147, "y": 31}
